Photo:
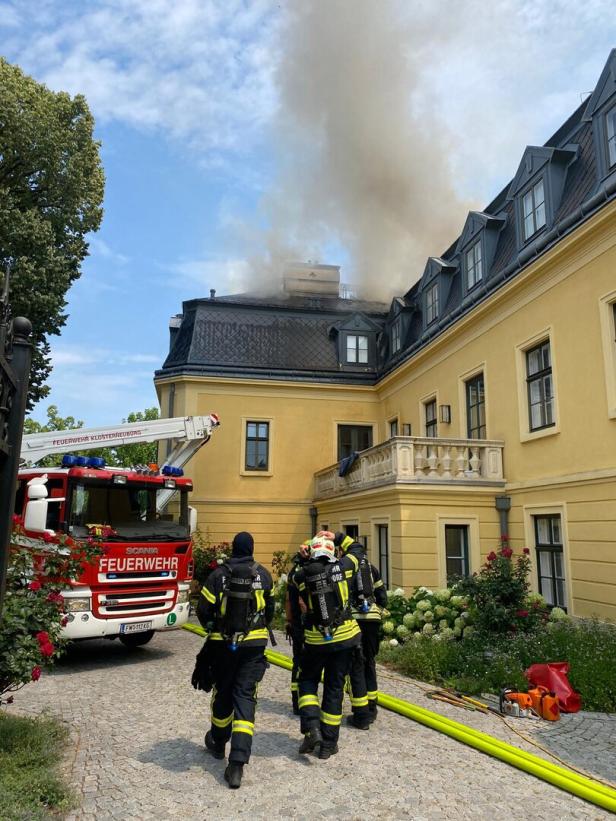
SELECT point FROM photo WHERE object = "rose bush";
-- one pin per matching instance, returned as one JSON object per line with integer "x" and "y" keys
{"x": 207, "y": 555}
{"x": 33, "y": 616}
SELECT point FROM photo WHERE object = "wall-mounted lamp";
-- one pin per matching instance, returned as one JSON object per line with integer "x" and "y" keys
{"x": 445, "y": 414}
{"x": 406, "y": 428}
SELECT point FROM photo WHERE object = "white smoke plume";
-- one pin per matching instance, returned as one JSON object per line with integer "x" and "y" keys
{"x": 362, "y": 158}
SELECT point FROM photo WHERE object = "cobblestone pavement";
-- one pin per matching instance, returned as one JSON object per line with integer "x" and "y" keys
{"x": 137, "y": 751}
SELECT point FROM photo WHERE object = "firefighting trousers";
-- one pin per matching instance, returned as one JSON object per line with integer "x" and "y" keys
{"x": 370, "y": 647}
{"x": 335, "y": 666}
{"x": 297, "y": 645}
{"x": 358, "y": 693}
{"x": 234, "y": 696}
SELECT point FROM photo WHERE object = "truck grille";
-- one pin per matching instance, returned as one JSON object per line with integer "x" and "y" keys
{"x": 113, "y": 603}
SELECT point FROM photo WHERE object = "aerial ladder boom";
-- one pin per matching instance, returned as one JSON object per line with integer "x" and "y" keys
{"x": 190, "y": 433}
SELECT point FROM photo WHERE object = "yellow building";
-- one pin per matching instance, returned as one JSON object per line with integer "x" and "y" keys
{"x": 481, "y": 401}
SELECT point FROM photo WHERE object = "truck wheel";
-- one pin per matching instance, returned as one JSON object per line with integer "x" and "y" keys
{"x": 137, "y": 639}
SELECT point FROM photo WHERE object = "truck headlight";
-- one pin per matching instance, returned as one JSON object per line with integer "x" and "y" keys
{"x": 183, "y": 597}
{"x": 77, "y": 604}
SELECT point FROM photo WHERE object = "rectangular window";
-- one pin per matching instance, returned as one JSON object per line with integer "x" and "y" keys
{"x": 611, "y": 137}
{"x": 540, "y": 386}
{"x": 257, "y": 446}
{"x": 352, "y": 531}
{"x": 396, "y": 336}
{"x": 533, "y": 206}
{"x": 383, "y": 537}
{"x": 474, "y": 265}
{"x": 393, "y": 428}
{"x": 550, "y": 560}
{"x": 430, "y": 411}
{"x": 357, "y": 349}
{"x": 406, "y": 428}
{"x": 432, "y": 303}
{"x": 353, "y": 438}
{"x": 475, "y": 408}
{"x": 456, "y": 552}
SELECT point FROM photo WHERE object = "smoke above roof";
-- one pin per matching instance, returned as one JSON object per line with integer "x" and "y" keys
{"x": 362, "y": 160}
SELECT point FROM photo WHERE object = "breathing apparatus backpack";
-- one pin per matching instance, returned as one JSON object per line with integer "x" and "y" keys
{"x": 325, "y": 605}
{"x": 364, "y": 585}
{"x": 238, "y": 609}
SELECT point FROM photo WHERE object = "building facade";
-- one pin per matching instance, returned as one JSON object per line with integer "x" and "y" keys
{"x": 482, "y": 400}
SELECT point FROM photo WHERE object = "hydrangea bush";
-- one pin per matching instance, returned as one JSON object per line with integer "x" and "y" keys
{"x": 494, "y": 600}
{"x": 33, "y": 613}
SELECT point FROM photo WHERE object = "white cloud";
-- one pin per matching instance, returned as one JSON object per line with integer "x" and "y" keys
{"x": 199, "y": 70}
{"x": 99, "y": 248}
{"x": 224, "y": 275}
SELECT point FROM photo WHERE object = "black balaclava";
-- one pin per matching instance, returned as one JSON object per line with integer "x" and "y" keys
{"x": 243, "y": 545}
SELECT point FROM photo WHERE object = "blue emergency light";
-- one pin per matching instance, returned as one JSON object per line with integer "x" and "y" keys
{"x": 170, "y": 470}
{"x": 70, "y": 461}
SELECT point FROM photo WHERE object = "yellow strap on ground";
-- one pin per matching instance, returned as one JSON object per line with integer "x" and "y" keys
{"x": 567, "y": 780}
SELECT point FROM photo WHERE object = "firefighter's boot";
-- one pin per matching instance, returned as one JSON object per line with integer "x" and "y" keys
{"x": 325, "y": 752}
{"x": 217, "y": 750}
{"x": 363, "y": 724}
{"x": 372, "y": 709}
{"x": 233, "y": 774}
{"x": 311, "y": 739}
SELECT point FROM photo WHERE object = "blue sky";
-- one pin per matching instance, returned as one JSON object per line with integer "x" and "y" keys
{"x": 219, "y": 145}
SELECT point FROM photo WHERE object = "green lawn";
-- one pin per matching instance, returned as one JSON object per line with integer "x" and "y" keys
{"x": 30, "y": 752}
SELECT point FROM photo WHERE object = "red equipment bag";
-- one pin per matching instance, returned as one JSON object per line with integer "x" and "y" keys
{"x": 554, "y": 677}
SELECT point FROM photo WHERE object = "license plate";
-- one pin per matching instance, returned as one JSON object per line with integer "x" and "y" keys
{"x": 137, "y": 627}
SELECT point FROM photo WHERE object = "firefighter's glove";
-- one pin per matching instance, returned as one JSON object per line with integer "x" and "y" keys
{"x": 202, "y": 678}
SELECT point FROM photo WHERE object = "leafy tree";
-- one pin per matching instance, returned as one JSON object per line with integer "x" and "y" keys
{"x": 51, "y": 194}
{"x": 139, "y": 453}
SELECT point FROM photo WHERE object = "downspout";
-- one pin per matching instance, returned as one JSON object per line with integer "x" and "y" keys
{"x": 503, "y": 505}
{"x": 313, "y": 520}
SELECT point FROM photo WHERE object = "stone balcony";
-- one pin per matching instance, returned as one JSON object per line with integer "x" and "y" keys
{"x": 406, "y": 460}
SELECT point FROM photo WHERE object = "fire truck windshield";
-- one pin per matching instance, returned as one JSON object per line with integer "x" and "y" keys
{"x": 130, "y": 510}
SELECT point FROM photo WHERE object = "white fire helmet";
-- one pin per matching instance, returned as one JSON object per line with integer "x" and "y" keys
{"x": 321, "y": 546}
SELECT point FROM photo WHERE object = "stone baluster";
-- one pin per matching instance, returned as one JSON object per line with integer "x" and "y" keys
{"x": 432, "y": 460}
{"x": 446, "y": 462}
{"x": 420, "y": 459}
{"x": 461, "y": 462}
{"x": 475, "y": 462}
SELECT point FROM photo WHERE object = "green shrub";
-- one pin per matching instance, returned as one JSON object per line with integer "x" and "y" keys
{"x": 30, "y": 750}
{"x": 207, "y": 555}
{"x": 484, "y": 663}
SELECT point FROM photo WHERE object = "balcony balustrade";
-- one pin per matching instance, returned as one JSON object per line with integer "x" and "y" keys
{"x": 417, "y": 460}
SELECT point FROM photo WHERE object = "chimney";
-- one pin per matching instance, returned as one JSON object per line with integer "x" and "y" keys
{"x": 174, "y": 327}
{"x": 308, "y": 279}
{"x": 212, "y": 293}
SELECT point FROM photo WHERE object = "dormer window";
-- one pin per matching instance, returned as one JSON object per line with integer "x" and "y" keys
{"x": 533, "y": 207}
{"x": 432, "y": 303}
{"x": 396, "y": 336}
{"x": 474, "y": 265}
{"x": 611, "y": 137}
{"x": 357, "y": 349}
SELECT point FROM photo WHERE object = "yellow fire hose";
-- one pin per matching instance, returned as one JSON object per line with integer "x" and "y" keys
{"x": 573, "y": 783}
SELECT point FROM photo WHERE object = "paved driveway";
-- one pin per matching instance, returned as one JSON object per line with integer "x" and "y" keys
{"x": 138, "y": 726}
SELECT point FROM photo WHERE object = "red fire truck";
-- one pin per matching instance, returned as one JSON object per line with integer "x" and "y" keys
{"x": 140, "y": 583}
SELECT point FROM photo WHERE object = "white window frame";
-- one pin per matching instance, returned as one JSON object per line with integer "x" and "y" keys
{"x": 393, "y": 420}
{"x": 474, "y": 265}
{"x": 396, "y": 336}
{"x": 474, "y": 547}
{"x": 608, "y": 340}
{"x": 560, "y": 509}
{"x": 432, "y": 303}
{"x": 374, "y": 550}
{"x": 526, "y": 435}
{"x": 270, "y": 450}
{"x": 530, "y": 197}
{"x": 610, "y": 128}
{"x": 365, "y": 423}
{"x": 360, "y": 353}
{"x": 463, "y": 378}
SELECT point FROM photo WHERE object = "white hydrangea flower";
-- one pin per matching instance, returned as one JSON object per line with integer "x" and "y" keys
{"x": 457, "y": 631}
{"x": 424, "y": 604}
{"x": 443, "y": 624}
{"x": 283, "y": 578}
{"x": 399, "y": 591}
{"x": 443, "y": 594}
{"x": 409, "y": 620}
{"x": 468, "y": 631}
{"x": 402, "y": 631}
{"x": 428, "y": 629}
{"x": 558, "y": 614}
{"x": 388, "y": 627}
{"x": 447, "y": 633}
{"x": 459, "y": 622}
{"x": 394, "y": 642}
{"x": 428, "y": 615}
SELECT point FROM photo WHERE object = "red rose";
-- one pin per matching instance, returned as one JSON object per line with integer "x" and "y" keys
{"x": 491, "y": 556}
{"x": 17, "y": 520}
{"x": 42, "y": 637}
{"x": 36, "y": 673}
{"x": 213, "y": 564}
{"x": 56, "y": 598}
{"x": 34, "y": 586}
{"x": 522, "y": 614}
{"x": 47, "y": 649}
{"x": 505, "y": 537}
{"x": 526, "y": 551}
{"x": 47, "y": 537}
{"x": 507, "y": 552}
{"x": 64, "y": 621}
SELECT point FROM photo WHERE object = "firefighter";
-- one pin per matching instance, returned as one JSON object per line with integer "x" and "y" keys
{"x": 369, "y": 599}
{"x": 236, "y": 607}
{"x": 294, "y": 612}
{"x": 330, "y": 634}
